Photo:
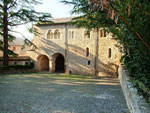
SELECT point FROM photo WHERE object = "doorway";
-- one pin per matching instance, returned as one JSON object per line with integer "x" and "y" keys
{"x": 43, "y": 62}
{"x": 58, "y": 63}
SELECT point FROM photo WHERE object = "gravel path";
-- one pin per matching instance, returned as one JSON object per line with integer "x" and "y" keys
{"x": 58, "y": 93}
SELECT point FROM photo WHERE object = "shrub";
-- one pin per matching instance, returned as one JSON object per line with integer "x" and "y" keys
{"x": 26, "y": 66}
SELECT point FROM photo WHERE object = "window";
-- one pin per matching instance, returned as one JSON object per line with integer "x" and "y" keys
{"x": 52, "y": 35}
{"x": 102, "y": 33}
{"x": 87, "y": 52}
{"x": 71, "y": 34}
{"x": 70, "y": 72}
{"x": 15, "y": 63}
{"x": 89, "y": 62}
{"x": 86, "y": 34}
{"x": 109, "y": 53}
{"x": 57, "y": 35}
{"x": 26, "y": 63}
{"x": 14, "y": 48}
{"x": 49, "y": 34}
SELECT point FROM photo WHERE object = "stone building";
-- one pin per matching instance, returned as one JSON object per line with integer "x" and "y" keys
{"x": 16, "y": 47}
{"x": 64, "y": 48}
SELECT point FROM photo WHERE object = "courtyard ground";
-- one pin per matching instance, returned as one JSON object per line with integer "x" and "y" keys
{"x": 58, "y": 93}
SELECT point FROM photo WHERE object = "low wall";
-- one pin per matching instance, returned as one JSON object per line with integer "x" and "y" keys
{"x": 14, "y": 71}
{"x": 136, "y": 103}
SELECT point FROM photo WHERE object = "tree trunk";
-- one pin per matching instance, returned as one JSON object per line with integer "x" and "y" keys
{"x": 5, "y": 34}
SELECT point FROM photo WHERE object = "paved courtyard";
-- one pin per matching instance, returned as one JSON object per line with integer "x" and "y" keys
{"x": 58, "y": 93}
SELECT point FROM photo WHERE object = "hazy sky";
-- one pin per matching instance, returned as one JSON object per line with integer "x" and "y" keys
{"x": 54, "y": 7}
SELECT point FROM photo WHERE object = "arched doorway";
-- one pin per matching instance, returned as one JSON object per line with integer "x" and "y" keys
{"x": 58, "y": 63}
{"x": 43, "y": 62}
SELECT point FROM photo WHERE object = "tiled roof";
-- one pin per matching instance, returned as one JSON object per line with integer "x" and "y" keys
{"x": 18, "y": 58}
{"x": 62, "y": 20}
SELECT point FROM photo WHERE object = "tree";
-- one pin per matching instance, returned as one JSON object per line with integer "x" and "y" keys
{"x": 134, "y": 36}
{"x": 14, "y": 13}
{"x": 89, "y": 19}
{"x": 115, "y": 10}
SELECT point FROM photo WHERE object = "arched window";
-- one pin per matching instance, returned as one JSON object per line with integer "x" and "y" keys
{"x": 69, "y": 34}
{"x": 87, "y": 52}
{"x": 86, "y": 34}
{"x": 72, "y": 34}
{"x": 52, "y": 35}
{"x": 57, "y": 35}
{"x": 102, "y": 33}
{"x": 49, "y": 34}
{"x": 109, "y": 53}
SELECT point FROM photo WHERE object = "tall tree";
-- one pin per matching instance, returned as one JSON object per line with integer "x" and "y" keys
{"x": 14, "y": 13}
{"x": 89, "y": 18}
{"x": 123, "y": 10}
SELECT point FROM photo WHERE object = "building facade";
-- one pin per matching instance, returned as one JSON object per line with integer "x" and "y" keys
{"x": 16, "y": 47}
{"x": 64, "y": 48}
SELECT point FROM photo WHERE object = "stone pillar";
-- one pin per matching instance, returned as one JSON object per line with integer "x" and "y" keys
{"x": 66, "y": 48}
{"x": 50, "y": 66}
{"x": 96, "y": 51}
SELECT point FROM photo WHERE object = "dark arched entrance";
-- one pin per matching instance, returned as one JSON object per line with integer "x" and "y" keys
{"x": 43, "y": 62}
{"x": 58, "y": 64}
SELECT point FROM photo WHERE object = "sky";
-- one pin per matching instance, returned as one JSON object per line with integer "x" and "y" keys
{"x": 54, "y": 7}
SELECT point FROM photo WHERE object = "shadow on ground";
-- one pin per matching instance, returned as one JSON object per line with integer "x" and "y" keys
{"x": 59, "y": 93}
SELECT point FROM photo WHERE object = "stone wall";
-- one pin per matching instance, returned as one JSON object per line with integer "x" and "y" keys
{"x": 77, "y": 59}
{"x": 74, "y": 50}
{"x": 108, "y": 65}
{"x": 46, "y": 46}
{"x": 136, "y": 103}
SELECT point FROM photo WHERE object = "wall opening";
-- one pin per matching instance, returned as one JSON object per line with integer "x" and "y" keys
{"x": 58, "y": 63}
{"x": 87, "y": 52}
{"x": 89, "y": 62}
{"x": 49, "y": 34}
{"x": 70, "y": 72}
{"x": 43, "y": 62}
{"x": 102, "y": 33}
{"x": 109, "y": 53}
{"x": 86, "y": 34}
